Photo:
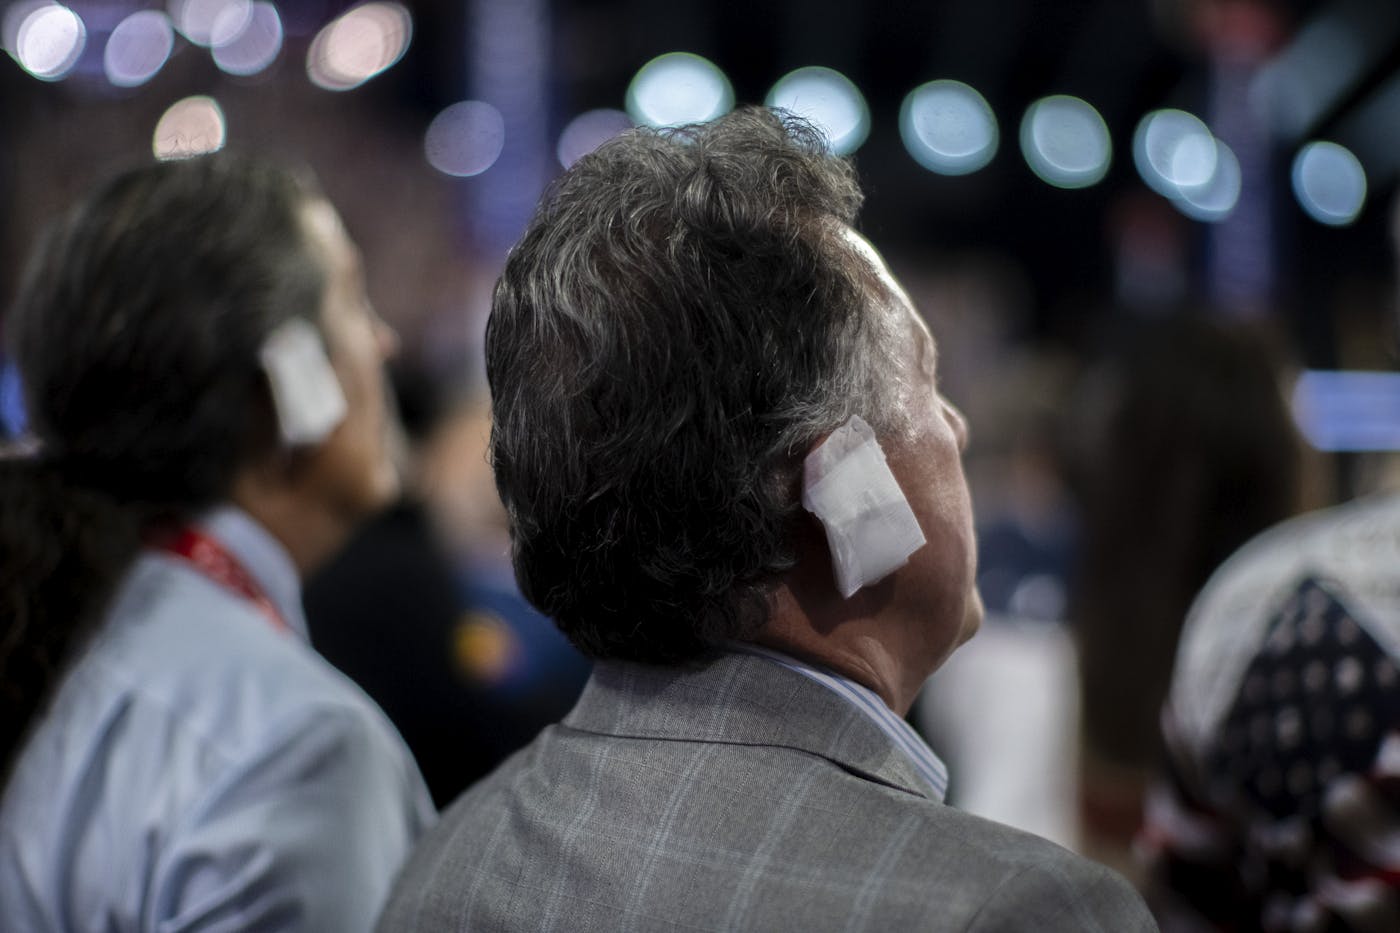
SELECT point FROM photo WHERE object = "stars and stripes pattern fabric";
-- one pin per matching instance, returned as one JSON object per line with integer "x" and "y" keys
{"x": 1288, "y": 817}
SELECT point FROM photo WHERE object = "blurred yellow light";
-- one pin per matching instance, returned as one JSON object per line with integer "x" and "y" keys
{"x": 358, "y": 45}
{"x": 190, "y": 127}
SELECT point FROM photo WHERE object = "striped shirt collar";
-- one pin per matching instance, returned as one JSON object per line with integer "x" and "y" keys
{"x": 926, "y": 763}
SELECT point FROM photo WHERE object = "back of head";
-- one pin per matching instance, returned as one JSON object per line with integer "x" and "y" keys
{"x": 678, "y": 324}
{"x": 137, "y": 328}
{"x": 136, "y": 333}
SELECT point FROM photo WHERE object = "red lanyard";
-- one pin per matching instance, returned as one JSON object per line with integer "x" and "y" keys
{"x": 213, "y": 560}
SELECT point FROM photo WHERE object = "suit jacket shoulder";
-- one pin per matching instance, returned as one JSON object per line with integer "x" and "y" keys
{"x": 734, "y": 796}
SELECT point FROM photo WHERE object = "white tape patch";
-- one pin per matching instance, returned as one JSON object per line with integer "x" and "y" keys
{"x": 848, "y": 486}
{"x": 305, "y": 390}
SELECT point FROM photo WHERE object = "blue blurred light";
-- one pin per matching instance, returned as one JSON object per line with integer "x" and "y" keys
{"x": 138, "y": 48}
{"x": 828, "y": 99}
{"x": 1066, "y": 142}
{"x": 1329, "y": 182}
{"x": 1348, "y": 410}
{"x": 678, "y": 88}
{"x": 1173, "y": 150}
{"x": 588, "y": 131}
{"x": 465, "y": 139}
{"x": 255, "y": 47}
{"x": 1215, "y": 199}
{"x": 948, "y": 127}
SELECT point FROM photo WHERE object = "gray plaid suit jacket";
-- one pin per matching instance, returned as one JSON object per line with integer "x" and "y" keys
{"x": 737, "y": 795}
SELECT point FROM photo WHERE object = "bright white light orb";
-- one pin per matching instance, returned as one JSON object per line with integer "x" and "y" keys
{"x": 1066, "y": 142}
{"x": 358, "y": 45}
{"x": 1173, "y": 150}
{"x": 138, "y": 48}
{"x": 588, "y": 131}
{"x": 1215, "y": 199}
{"x": 1329, "y": 182}
{"x": 256, "y": 47}
{"x": 948, "y": 127}
{"x": 828, "y": 99}
{"x": 50, "y": 41}
{"x": 678, "y": 88}
{"x": 210, "y": 22}
{"x": 465, "y": 139}
{"x": 15, "y": 15}
{"x": 190, "y": 127}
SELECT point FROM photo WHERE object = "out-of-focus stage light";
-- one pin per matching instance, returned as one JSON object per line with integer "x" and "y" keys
{"x": 948, "y": 127}
{"x": 1173, "y": 150}
{"x": 678, "y": 88}
{"x": 15, "y": 15}
{"x": 1329, "y": 182}
{"x": 138, "y": 48}
{"x": 49, "y": 41}
{"x": 210, "y": 22}
{"x": 359, "y": 44}
{"x": 830, "y": 100}
{"x": 190, "y": 127}
{"x": 1066, "y": 142}
{"x": 588, "y": 131}
{"x": 256, "y": 47}
{"x": 1213, "y": 200}
{"x": 465, "y": 139}
{"x": 1348, "y": 409}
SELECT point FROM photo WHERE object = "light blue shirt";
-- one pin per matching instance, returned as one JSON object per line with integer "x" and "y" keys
{"x": 200, "y": 769}
{"x": 929, "y": 766}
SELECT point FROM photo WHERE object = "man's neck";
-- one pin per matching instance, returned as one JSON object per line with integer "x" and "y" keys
{"x": 852, "y": 639}
{"x": 310, "y": 534}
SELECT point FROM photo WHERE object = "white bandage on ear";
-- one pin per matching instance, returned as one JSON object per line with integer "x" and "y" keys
{"x": 305, "y": 390}
{"x": 870, "y": 528}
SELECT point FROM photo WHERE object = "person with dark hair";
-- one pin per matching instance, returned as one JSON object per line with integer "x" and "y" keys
{"x": 1186, "y": 450}
{"x": 203, "y": 378}
{"x": 732, "y": 480}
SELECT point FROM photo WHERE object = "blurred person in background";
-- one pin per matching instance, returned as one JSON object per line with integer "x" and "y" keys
{"x": 683, "y": 352}
{"x": 1182, "y": 448}
{"x": 203, "y": 377}
{"x": 422, "y": 611}
{"x": 1277, "y": 807}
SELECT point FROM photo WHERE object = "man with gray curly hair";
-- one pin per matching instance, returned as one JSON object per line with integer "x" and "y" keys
{"x": 732, "y": 481}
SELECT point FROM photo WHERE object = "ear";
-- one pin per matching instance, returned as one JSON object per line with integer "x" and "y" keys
{"x": 305, "y": 391}
{"x": 870, "y": 528}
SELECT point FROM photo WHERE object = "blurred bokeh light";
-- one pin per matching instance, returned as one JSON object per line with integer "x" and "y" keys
{"x": 49, "y": 41}
{"x": 948, "y": 127}
{"x": 1330, "y": 183}
{"x": 465, "y": 139}
{"x": 678, "y": 88}
{"x": 588, "y": 131}
{"x": 210, "y": 22}
{"x": 361, "y": 43}
{"x": 1066, "y": 142}
{"x": 138, "y": 48}
{"x": 256, "y": 47}
{"x": 193, "y": 126}
{"x": 830, "y": 100}
{"x": 1214, "y": 199}
{"x": 1174, "y": 150}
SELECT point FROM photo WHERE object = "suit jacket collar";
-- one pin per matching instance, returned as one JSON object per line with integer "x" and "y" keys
{"x": 741, "y": 699}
